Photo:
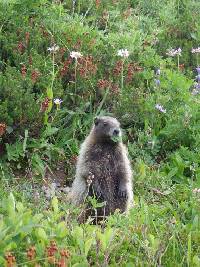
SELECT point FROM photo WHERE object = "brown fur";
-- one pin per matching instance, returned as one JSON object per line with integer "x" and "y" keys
{"x": 103, "y": 169}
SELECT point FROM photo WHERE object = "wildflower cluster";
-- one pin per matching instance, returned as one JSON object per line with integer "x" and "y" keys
{"x": 196, "y": 190}
{"x": 157, "y": 80}
{"x": 105, "y": 84}
{"x": 65, "y": 68}
{"x": 10, "y": 259}
{"x": 160, "y": 108}
{"x": 57, "y": 102}
{"x": 195, "y": 50}
{"x": 45, "y": 104}
{"x": 174, "y": 52}
{"x": 75, "y": 55}
{"x": 54, "y": 255}
{"x": 196, "y": 89}
{"x": 53, "y": 49}
{"x": 2, "y": 128}
{"x": 123, "y": 53}
{"x": 86, "y": 66}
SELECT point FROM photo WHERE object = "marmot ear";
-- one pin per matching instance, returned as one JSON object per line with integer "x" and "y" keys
{"x": 96, "y": 121}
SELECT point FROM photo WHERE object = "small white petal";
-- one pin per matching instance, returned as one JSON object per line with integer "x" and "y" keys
{"x": 75, "y": 54}
{"x": 123, "y": 53}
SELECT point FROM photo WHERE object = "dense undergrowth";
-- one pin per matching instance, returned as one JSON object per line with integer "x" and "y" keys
{"x": 152, "y": 88}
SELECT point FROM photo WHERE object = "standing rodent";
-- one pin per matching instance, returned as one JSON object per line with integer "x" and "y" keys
{"x": 103, "y": 169}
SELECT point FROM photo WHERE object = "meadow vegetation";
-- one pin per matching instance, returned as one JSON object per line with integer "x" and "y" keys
{"x": 62, "y": 63}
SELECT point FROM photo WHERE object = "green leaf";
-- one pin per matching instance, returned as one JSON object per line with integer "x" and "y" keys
{"x": 88, "y": 245}
{"x": 61, "y": 230}
{"x": 41, "y": 234}
{"x": 11, "y": 205}
{"x": 196, "y": 261}
{"x": 54, "y": 204}
{"x": 189, "y": 249}
{"x": 20, "y": 207}
{"x": 25, "y": 140}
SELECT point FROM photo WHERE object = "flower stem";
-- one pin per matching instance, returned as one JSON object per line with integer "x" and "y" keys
{"x": 75, "y": 72}
{"x": 178, "y": 63}
{"x": 122, "y": 76}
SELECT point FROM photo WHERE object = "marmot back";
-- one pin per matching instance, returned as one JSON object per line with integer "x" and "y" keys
{"x": 103, "y": 169}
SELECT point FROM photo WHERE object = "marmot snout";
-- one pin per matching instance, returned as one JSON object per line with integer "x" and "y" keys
{"x": 103, "y": 168}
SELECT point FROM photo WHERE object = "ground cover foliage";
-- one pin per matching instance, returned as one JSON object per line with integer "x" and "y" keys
{"x": 61, "y": 64}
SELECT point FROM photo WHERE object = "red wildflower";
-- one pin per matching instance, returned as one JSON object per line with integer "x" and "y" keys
{"x": 86, "y": 66}
{"x": 31, "y": 253}
{"x": 65, "y": 67}
{"x": 34, "y": 75}
{"x": 51, "y": 250}
{"x": 10, "y": 259}
{"x": 103, "y": 84}
{"x": 118, "y": 68}
{"x": 27, "y": 37}
{"x": 45, "y": 104}
{"x": 21, "y": 47}
{"x": 30, "y": 60}
{"x": 98, "y": 2}
{"x": 2, "y": 128}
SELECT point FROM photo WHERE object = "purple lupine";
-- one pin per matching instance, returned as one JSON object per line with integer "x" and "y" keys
{"x": 160, "y": 108}
{"x": 157, "y": 82}
{"x": 198, "y": 70}
{"x": 198, "y": 78}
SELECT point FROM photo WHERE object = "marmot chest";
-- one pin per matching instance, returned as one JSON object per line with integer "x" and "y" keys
{"x": 105, "y": 159}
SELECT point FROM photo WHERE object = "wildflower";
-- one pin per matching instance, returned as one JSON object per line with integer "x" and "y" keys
{"x": 196, "y": 89}
{"x": 114, "y": 89}
{"x": 27, "y": 37}
{"x": 157, "y": 72}
{"x": 65, "y": 253}
{"x": 157, "y": 82}
{"x": 198, "y": 78}
{"x": 57, "y": 101}
{"x": 86, "y": 66}
{"x": 102, "y": 84}
{"x": 75, "y": 55}
{"x": 34, "y": 75}
{"x": 30, "y": 60}
{"x": 51, "y": 250}
{"x": 45, "y": 104}
{"x": 2, "y": 128}
{"x": 31, "y": 253}
{"x": 118, "y": 68}
{"x": 10, "y": 259}
{"x": 181, "y": 66}
{"x": 197, "y": 86}
{"x": 98, "y": 2}
{"x": 21, "y": 47}
{"x": 53, "y": 49}
{"x": 195, "y": 92}
{"x": 198, "y": 70}
{"x": 196, "y": 190}
{"x": 65, "y": 67}
{"x": 174, "y": 52}
{"x": 195, "y": 50}
{"x": 160, "y": 108}
{"x": 123, "y": 53}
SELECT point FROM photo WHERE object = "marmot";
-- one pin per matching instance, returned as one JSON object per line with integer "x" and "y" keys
{"x": 103, "y": 169}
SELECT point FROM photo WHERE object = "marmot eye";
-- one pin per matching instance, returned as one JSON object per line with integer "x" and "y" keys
{"x": 105, "y": 123}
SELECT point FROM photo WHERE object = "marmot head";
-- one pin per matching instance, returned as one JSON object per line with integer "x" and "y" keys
{"x": 106, "y": 128}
